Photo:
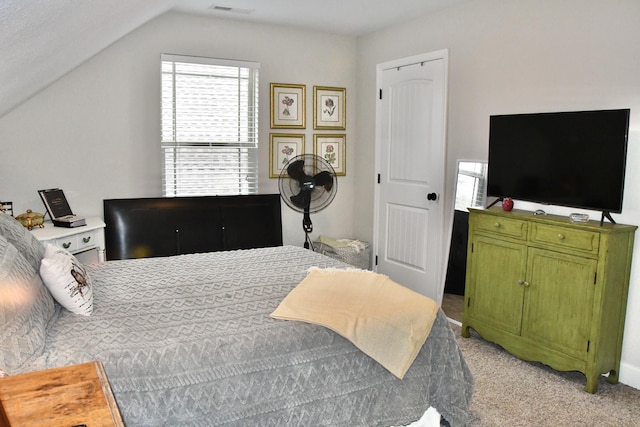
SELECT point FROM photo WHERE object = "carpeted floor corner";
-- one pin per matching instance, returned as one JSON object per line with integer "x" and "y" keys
{"x": 511, "y": 392}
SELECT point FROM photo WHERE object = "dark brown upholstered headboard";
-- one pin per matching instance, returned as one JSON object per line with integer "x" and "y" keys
{"x": 149, "y": 227}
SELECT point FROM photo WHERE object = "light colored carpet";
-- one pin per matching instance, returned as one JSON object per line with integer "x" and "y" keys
{"x": 453, "y": 306}
{"x": 511, "y": 392}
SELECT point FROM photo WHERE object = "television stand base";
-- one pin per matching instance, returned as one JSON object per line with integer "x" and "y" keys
{"x": 606, "y": 215}
{"x": 499, "y": 199}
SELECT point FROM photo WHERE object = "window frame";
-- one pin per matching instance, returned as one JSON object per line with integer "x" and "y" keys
{"x": 232, "y": 166}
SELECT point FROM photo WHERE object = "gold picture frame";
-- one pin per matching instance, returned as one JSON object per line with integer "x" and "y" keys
{"x": 282, "y": 148}
{"x": 329, "y": 108}
{"x": 288, "y": 106}
{"x": 332, "y": 148}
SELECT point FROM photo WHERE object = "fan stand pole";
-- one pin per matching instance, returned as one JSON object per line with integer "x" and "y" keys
{"x": 307, "y": 226}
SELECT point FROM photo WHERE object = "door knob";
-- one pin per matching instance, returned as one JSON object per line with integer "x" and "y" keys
{"x": 432, "y": 196}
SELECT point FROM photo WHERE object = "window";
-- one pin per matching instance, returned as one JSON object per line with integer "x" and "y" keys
{"x": 471, "y": 186}
{"x": 209, "y": 126}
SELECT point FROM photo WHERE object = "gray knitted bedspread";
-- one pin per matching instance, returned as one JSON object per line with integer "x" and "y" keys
{"x": 188, "y": 340}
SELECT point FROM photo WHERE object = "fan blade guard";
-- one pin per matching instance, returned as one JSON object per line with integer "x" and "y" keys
{"x": 307, "y": 183}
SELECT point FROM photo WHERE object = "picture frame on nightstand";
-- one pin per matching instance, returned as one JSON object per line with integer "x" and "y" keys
{"x": 6, "y": 207}
{"x": 59, "y": 210}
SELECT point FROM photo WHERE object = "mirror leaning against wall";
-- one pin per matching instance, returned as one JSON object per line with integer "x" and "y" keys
{"x": 471, "y": 185}
{"x": 471, "y": 192}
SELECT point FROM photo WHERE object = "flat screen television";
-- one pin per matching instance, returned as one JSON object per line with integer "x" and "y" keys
{"x": 575, "y": 159}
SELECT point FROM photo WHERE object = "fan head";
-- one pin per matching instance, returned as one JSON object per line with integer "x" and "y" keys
{"x": 308, "y": 183}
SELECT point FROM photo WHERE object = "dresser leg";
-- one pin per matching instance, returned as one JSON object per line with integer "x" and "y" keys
{"x": 465, "y": 331}
{"x": 592, "y": 383}
{"x": 613, "y": 377}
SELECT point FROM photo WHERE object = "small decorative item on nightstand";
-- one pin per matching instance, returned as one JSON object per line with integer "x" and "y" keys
{"x": 31, "y": 219}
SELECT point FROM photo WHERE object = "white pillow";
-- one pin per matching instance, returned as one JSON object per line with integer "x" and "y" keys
{"x": 67, "y": 280}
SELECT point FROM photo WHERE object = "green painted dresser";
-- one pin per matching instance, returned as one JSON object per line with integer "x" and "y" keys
{"x": 549, "y": 290}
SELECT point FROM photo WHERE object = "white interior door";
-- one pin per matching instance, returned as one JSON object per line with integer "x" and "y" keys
{"x": 410, "y": 160}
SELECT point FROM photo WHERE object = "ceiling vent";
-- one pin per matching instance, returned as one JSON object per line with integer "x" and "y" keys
{"x": 217, "y": 8}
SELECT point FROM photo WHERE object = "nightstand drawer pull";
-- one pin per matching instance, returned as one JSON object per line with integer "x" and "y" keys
{"x": 66, "y": 245}
{"x": 86, "y": 239}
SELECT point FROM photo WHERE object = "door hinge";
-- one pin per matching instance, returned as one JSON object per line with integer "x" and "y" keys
{"x": 378, "y": 178}
{"x": 471, "y": 247}
{"x": 595, "y": 277}
{"x": 380, "y": 94}
{"x": 588, "y": 345}
{"x": 376, "y": 260}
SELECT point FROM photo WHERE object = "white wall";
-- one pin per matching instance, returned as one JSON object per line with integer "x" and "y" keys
{"x": 512, "y": 57}
{"x": 95, "y": 132}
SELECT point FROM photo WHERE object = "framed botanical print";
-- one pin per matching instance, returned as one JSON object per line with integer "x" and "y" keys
{"x": 282, "y": 148}
{"x": 333, "y": 149}
{"x": 329, "y": 108}
{"x": 288, "y": 106}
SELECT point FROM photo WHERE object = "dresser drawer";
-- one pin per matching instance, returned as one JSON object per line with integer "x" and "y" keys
{"x": 78, "y": 242}
{"x": 569, "y": 238}
{"x": 502, "y": 226}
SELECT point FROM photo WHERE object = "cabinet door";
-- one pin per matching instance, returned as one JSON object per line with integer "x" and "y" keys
{"x": 496, "y": 296}
{"x": 559, "y": 301}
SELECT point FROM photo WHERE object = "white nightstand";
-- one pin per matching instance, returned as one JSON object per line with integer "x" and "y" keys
{"x": 77, "y": 239}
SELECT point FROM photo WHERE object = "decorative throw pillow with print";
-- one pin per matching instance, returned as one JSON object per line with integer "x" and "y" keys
{"x": 67, "y": 280}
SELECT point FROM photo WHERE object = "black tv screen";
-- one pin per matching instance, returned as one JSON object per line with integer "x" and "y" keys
{"x": 574, "y": 159}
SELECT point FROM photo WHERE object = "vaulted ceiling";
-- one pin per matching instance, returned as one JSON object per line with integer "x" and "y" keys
{"x": 42, "y": 40}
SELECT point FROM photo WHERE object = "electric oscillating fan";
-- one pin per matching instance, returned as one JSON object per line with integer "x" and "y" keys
{"x": 307, "y": 184}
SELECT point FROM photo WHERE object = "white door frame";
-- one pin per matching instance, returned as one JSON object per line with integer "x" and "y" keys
{"x": 416, "y": 59}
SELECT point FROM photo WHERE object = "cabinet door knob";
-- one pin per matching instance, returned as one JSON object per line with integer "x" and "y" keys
{"x": 497, "y": 225}
{"x": 523, "y": 283}
{"x": 520, "y": 282}
{"x": 561, "y": 236}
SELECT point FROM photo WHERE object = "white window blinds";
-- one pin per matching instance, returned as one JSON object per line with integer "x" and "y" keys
{"x": 209, "y": 126}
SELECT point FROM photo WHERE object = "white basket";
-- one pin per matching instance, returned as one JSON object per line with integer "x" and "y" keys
{"x": 354, "y": 252}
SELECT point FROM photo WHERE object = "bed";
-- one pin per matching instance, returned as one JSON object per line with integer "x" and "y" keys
{"x": 189, "y": 340}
